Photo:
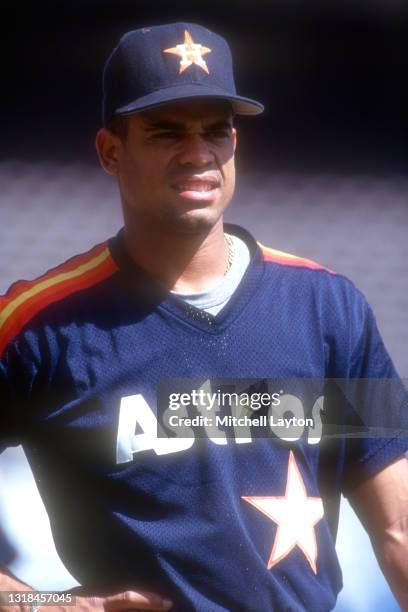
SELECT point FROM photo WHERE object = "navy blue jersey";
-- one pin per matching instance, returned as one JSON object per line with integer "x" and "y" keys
{"x": 215, "y": 524}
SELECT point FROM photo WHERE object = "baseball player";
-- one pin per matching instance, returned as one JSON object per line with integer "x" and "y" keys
{"x": 206, "y": 521}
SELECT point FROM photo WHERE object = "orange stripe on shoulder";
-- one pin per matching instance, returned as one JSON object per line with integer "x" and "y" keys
{"x": 287, "y": 259}
{"x": 26, "y": 298}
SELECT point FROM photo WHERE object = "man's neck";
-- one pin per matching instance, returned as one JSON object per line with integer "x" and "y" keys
{"x": 186, "y": 263}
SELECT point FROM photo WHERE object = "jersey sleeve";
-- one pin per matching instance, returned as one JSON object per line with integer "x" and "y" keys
{"x": 17, "y": 369}
{"x": 376, "y": 397}
{"x": 9, "y": 428}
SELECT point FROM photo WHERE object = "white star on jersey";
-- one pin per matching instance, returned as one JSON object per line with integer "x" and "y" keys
{"x": 296, "y": 515}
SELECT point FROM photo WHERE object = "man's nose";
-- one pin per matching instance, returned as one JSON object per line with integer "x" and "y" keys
{"x": 195, "y": 151}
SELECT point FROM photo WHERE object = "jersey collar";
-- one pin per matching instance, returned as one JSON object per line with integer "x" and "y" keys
{"x": 145, "y": 290}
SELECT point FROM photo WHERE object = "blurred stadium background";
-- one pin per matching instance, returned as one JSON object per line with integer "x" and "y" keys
{"x": 322, "y": 174}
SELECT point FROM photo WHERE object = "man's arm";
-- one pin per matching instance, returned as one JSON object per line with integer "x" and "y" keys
{"x": 381, "y": 503}
{"x": 129, "y": 600}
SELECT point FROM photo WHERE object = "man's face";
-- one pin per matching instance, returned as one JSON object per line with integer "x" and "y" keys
{"x": 176, "y": 165}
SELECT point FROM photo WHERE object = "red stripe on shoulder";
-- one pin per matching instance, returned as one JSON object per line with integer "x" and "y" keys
{"x": 67, "y": 266}
{"x": 286, "y": 259}
{"x": 26, "y": 298}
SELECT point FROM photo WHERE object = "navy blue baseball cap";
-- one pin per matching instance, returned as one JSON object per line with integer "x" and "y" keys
{"x": 165, "y": 63}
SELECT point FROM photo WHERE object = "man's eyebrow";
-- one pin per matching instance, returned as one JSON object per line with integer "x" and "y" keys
{"x": 151, "y": 125}
{"x": 163, "y": 125}
{"x": 220, "y": 124}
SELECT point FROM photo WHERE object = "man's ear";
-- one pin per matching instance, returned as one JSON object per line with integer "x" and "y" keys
{"x": 108, "y": 146}
{"x": 234, "y": 138}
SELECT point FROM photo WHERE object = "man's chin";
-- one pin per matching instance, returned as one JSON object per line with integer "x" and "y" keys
{"x": 196, "y": 220}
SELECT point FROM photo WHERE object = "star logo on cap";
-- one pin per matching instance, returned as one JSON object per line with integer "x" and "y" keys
{"x": 190, "y": 53}
{"x": 296, "y": 514}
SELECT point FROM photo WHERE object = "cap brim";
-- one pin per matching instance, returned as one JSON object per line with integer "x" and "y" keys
{"x": 240, "y": 105}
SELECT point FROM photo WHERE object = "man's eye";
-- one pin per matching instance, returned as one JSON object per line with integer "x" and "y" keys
{"x": 217, "y": 134}
{"x": 166, "y": 135}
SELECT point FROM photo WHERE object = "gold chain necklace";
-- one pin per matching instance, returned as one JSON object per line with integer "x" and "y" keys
{"x": 231, "y": 252}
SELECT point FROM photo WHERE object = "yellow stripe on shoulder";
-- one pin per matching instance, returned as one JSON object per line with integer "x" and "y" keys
{"x": 52, "y": 279}
{"x": 280, "y": 257}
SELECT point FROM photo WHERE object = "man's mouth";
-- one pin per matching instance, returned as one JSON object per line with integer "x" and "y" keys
{"x": 194, "y": 188}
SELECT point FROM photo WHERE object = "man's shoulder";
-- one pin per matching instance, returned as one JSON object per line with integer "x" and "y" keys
{"x": 308, "y": 290}
{"x": 289, "y": 260}
{"x": 26, "y": 298}
{"x": 287, "y": 270}
{"x": 306, "y": 277}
